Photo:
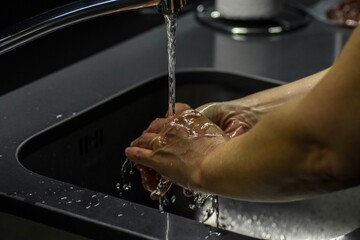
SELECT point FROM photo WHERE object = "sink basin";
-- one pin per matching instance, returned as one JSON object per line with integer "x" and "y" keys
{"x": 87, "y": 150}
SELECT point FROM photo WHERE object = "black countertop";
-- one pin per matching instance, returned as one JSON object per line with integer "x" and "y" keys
{"x": 68, "y": 92}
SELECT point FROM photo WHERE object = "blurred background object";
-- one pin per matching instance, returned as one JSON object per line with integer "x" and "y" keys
{"x": 345, "y": 12}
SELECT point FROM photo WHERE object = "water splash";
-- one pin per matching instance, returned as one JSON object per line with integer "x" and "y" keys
{"x": 170, "y": 21}
{"x": 200, "y": 199}
{"x": 125, "y": 185}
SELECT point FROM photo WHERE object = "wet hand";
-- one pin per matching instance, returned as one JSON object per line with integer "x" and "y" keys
{"x": 174, "y": 148}
{"x": 233, "y": 118}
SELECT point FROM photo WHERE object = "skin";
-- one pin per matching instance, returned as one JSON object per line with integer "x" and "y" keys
{"x": 294, "y": 147}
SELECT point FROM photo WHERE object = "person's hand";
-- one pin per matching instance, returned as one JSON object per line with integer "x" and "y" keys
{"x": 174, "y": 147}
{"x": 150, "y": 179}
{"x": 233, "y": 118}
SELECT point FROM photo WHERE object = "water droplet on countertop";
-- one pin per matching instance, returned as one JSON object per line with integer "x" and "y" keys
{"x": 59, "y": 116}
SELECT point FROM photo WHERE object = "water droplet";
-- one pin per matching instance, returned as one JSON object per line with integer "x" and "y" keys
{"x": 118, "y": 186}
{"x": 63, "y": 198}
{"x": 78, "y": 201}
{"x": 87, "y": 207}
{"x": 120, "y": 215}
{"x": 173, "y": 199}
{"x": 59, "y": 116}
{"x": 192, "y": 206}
{"x": 165, "y": 201}
{"x": 187, "y": 192}
{"x": 127, "y": 187}
{"x": 211, "y": 233}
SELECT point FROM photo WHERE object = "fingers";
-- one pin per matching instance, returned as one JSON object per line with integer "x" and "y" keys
{"x": 146, "y": 140}
{"x": 161, "y": 189}
{"x": 179, "y": 108}
{"x": 156, "y": 126}
{"x": 140, "y": 156}
{"x": 149, "y": 178}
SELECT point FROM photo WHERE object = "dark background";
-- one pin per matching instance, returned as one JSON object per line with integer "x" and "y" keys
{"x": 63, "y": 47}
{"x": 14, "y": 11}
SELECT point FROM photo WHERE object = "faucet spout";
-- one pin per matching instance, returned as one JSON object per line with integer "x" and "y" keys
{"x": 76, "y": 12}
{"x": 171, "y": 6}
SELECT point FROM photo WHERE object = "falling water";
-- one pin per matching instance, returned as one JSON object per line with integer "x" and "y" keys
{"x": 170, "y": 21}
{"x": 200, "y": 199}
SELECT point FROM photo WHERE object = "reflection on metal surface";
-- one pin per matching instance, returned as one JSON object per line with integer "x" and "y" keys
{"x": 325, "y": 217}
{"x": 76, "y": 12}
{"x": 290, "y": 18}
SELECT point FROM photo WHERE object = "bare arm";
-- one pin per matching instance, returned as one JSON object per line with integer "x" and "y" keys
{"x": 270, "y": 99}
{"x": 238, "y": 116}
{"x": 305, "y": 147}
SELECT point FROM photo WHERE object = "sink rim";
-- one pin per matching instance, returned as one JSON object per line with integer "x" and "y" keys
{"x": 63, "y": 211}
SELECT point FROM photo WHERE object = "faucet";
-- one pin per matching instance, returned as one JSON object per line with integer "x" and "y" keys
{"x": 76, "y": 12}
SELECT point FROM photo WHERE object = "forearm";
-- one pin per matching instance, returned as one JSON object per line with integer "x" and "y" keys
{"x": 305, "y": 147}
{"x": 248, "y": 110}
{"x": 268, "y": 163}
{"x": 271, "y": 99}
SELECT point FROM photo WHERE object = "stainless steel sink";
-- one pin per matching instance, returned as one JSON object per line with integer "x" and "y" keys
{"x": 87, "y": 150}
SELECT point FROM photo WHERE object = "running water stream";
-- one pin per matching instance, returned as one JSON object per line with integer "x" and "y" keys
{"x": 170, "y": 21}
{"x": 208, "y": 203}
{"x": 199, "y": 198}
